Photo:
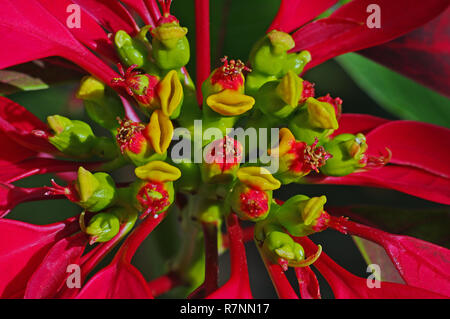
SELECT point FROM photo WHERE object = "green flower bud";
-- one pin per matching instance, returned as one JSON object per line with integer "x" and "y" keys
{"x": 280, "y": 98}
{"x": 295, "y": 62}
{"x": 101, "y": 104}
{"x": 103, "y": 227}
{"x": 71, "y": 137}
{"x": 279, "y": 245}
{"x": 269, "y": 54}
{"x": 131, "y": 51}
{"x": 348, "y": 152}
{"x": 95, "y": 191}
{"x": 170, "y": 47}
{"x": 303, "y": 216}
{"x": 316, "y": 119}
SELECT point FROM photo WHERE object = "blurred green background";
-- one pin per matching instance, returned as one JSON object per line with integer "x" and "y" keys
{"x": 364, "y": 86}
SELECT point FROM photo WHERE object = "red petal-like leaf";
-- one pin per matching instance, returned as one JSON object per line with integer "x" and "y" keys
{"x": 91, "y": 34}
{"x": 238, "y": 286}
{"x": 18, "y": 123}
{"x": 141, "y": 9}
{"x": 28, "y": 32}
{"x": 294, "y": 13}
{"x": 420, "y": 263}
{"x": 15, "y": 153}
{"x": 307, "y": 282}
{"x": 423, "y": 54}
{"x": 346, "y": 30}
{"x": 358, "y": 123}
{"x": 111, "y": 15}
{"x": 348, "y": 286}
{"x": 416, "y": 144}
{"x": 120, "y": 280}
{"x": 405, "y": 179}
{"x": 33, "y": 166}
{"x": 50, "y": 275}
{"x": 22, "y": 247}
{"x": 11, "y": 196}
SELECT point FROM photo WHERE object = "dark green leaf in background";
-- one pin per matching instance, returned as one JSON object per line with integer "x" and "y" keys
{"x": 396, "y": 93}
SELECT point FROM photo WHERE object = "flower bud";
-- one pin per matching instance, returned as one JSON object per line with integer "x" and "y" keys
{"x": 71, "y": 137}
{"x": 95, "y": 191}
{"x": 280, "y": 98}
{"x": 251, "y": 195}
{"x": 154, "y": 193}
{"x": 303, "y": 216}
{"x": 279, "y": 245}
{"x": 101, "y": 105}
{"x": 296, "y": 158}
{"x": 296, "y": 62}
{"x": 348, "y": 152}
{"x": 103, "y": 227}
{"x": 222, "y": 159}
{"x": 269, "y": 54}
{"x": 170, "y": 46}
{"x": 316, "y": 119}
{"x": 140, "y": 86}
{"x": 131, "y": 51}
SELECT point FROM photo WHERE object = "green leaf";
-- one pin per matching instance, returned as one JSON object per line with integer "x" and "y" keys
{"x": 396, "y": 93}
{"x": 37, "y": 75}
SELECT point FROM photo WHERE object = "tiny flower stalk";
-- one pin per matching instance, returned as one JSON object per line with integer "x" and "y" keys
{"x": 314, "y": 119}
{"x": 101, "y": 105}
{"x": 251, "y": 195}
{"x": 297, "y": 158}
{"x": 154, "y": 191}
{"x": 75, "y": 139}
{"x": 270, "y": 60}
{"x": 222, "y": 160}
{"x": 348, "y": 152}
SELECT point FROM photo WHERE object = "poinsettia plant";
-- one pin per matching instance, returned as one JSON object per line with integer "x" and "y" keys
{"x": 131, "y": 59}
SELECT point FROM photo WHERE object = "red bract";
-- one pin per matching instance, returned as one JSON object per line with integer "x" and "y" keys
{"x": 346, "y": 29}
{"x": 346, "y": 285}
{"x": 50, "y": 276}
{"x": 34, "y": 259}
{"x": 412, "y": 169}
{"x": 30, "y": 32}
{"x": 120, "y": 279}
{"x": 19, "y": 254}
{"x": 421, "y": 264}
{"x": 422, "y": 55}
{"x": 23, "y": 127}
